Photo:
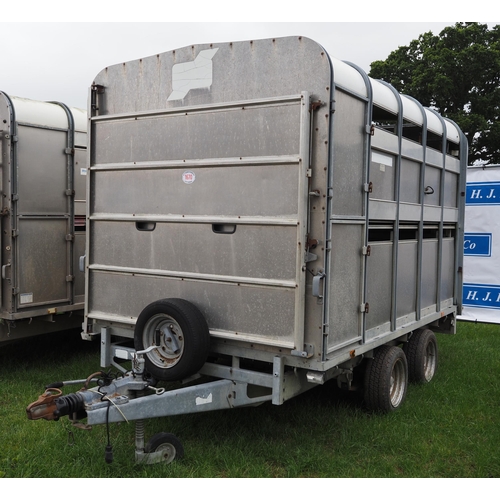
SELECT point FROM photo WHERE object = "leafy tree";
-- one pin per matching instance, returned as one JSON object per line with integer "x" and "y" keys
{"x": 457, "y": 73}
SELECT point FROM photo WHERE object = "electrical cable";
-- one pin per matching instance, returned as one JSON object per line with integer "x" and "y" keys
{"x": 107, "y": 377}
{"x": 108, "y": 454}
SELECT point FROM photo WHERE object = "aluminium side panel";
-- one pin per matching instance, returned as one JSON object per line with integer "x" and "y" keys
{"x": 348, "y": 221}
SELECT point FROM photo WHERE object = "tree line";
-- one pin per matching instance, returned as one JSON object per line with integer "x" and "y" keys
{"x": 457, "y": 73}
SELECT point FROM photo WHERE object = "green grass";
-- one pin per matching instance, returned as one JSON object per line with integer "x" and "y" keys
{"x": 446, "y": 429}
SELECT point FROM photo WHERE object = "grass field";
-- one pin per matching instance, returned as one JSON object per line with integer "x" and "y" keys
{"x": 446, "y": 429}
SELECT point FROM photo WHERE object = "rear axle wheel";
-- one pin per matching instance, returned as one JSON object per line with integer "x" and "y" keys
{"x": 386, "y": 379}
{"x": 422, "y": 353}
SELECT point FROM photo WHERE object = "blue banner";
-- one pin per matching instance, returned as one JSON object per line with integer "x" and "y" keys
{"x": 483, "y": 193}
{"x": 477, "y": 244}
{"x": 476, "y": 295}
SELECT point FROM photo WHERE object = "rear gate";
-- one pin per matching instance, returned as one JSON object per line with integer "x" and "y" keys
{"x": 216, "y": 215}
{"x": 42, "y": 218}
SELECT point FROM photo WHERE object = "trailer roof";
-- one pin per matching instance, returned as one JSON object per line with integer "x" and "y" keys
{"x": 354, "y": 79}
{"x": 47, "y": 114}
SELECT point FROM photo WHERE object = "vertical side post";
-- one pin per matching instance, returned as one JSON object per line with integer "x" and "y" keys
{"x": 278, "y": 380}
{"x": 105, "y": 347}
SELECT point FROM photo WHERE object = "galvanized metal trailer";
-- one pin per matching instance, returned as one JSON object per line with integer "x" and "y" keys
{"x": 43, "y": 175}
{"x": 269, "y": 217}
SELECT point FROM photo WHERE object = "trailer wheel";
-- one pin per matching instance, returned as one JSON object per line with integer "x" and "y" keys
{"x": 386, "y": 379}
{"x": 179, "y": 331}
{"x": 422, "y": 355}
{"x": 168, "y": 444}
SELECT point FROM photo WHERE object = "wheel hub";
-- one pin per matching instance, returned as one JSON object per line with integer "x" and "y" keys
{"x": 165, "y": 333}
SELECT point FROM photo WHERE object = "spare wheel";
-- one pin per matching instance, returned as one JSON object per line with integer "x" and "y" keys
{"x": 180, "y": 333}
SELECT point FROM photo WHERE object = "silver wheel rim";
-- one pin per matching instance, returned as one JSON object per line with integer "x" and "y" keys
{"x": 430, "y": 361}
{"x": 168, "y": 452}
{"x": 398, "y": 383}
{"x": 164, "y": 332}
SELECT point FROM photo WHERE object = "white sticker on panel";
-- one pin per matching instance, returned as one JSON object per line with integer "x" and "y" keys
{"x": 188, "y": 177}
{"x": 204, "y": 401}
{"x": 191, "y": 75}
{"x": 25, "y": 298}
{"x": 382, "y": 159}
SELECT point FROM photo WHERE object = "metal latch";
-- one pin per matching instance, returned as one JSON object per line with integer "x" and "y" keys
{"x": 317, "y": 289}
{"x": 4, "y": 269}
{"x": 82, "y": 263}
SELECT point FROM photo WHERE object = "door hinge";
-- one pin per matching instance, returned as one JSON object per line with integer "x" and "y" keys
{"x": 365, "y": 308}
{"x": 367, "y": 250}
{"x": 310, "y": 257}
{"x": 96, "y": 89}
{"x": 368, "y": 188}
{"x": 313, "y": 106}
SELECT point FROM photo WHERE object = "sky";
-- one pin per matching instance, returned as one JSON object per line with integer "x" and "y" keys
{"x": 55, "y": 57}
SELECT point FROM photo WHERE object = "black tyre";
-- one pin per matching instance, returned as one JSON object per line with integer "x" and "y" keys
{"x": 167, "y": 443}
{"x": 181, "y": 335}
{"x": 386, "y": 379}
{"x": 422, "y": 355}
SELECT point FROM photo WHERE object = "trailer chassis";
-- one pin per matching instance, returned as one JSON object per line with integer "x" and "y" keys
{"x": 222, "y": 383}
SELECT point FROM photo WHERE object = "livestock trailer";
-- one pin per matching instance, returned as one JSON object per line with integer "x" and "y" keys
{"x": 262, "y": 218}
{"x": 43, "y": 184}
